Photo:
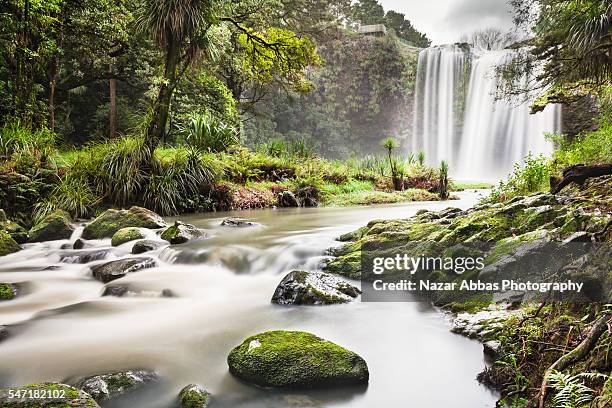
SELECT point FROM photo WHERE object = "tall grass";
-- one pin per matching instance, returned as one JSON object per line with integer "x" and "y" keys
{"x": 207, "y": 133}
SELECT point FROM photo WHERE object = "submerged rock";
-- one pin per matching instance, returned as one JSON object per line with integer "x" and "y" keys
{"x": 105, "y": 386}
{"x": 146, "y": 245}
{"x": 125, "y": 290}
{"x": 126, "y": 235}
{"x": 180, "y": 233}
{"x": 313, "y": 288}
{"x": 78, "y": 244}
{"x": 193, "y": 396}
{"x": 117, "y": 269}
{"x": 8, "y": 291}
{"x": 4, "y": 332}
{"x": 296, "y": 360}
{"x": 57, "y": 225}
{"x": 237, "y": 222}
{"x": 7, "y": 244}
{"x": 55, "y": 395}
{"x": 83, "y": 257}
{"x": 111, "y": 221}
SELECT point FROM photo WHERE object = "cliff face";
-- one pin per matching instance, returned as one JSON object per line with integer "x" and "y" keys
{"x": 580, "y": 115}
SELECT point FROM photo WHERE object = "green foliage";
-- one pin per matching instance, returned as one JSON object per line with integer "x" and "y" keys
{"x": 588, "y": 148}
{"x": 532, "y": 176}
{"x": 443, "y": 183}
{"x": 570, "y": 390}
{"x": 16, "y": 139}
{"x": 208, "y": 134}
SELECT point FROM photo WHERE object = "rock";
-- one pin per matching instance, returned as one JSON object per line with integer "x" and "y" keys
{"x": 83, "y": 257}
{"x": 7, "y": 291}
{"x": 105, "y": 386}
{"x": 287, "y": 199}
{"x": 126, "y": 235}
{"x": 111, "y": 221}
{"x": 125, "y": 290}
{"x": 147, "y": 245}
{"x": 55, "y": 395}
{"x": 313, "y": 288}
{"x": 117, "y": 269}
{"x": 16, "y": 231}
{"x": 296, "y": 360}
{"x": 193, "y": 396}
{"x": 57, "y": 225}
{"x": 7, "y": 244}
{"x": 117, "y": 291}
{"x": 78, "y": 244}
{"x": 4, "y": 332}
{"x": 180, "y": 233}
{"x": 491, "y": 348}
{"x": 237, "y": 222}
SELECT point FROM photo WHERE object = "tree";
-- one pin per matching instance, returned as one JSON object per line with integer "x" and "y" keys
{"x": 491, "y": 38}
{"x": 368, "y": 12}
{"x": 404, "y": 29}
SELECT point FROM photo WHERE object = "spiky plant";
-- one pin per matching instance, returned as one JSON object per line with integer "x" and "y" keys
{"x": 443, "y": 182}
{"x": 570, "y": 390}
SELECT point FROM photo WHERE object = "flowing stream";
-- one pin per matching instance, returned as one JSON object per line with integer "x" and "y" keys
{"x": 61, "y": 328}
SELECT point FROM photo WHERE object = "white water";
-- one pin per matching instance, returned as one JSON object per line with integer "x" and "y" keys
{"x": 491, "y": 135}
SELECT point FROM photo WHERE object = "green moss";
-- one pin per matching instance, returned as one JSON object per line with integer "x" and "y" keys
{"x": 295, "y": 359}
{"x": 16, "y": 231}
{"x": 193, "y": 396}
{"x": 57, "y": 225}
{"x": 471, "y": 305}
{"x": 119, "y": 382}
{"x": 7, "y": 244}
{"x": 111, "y": 221}
{"x": 6, "y": 291}
{"x": 126, "y": 235}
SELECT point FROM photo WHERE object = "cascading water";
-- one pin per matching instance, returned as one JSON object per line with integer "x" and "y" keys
{"x": 438, "y": 95}
{"x": 480, "y": 136}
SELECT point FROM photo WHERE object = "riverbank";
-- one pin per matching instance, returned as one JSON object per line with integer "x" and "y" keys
{"x": 526, "y": 338}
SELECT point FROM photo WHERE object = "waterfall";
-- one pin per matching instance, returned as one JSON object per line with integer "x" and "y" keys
{"x": 480, "y": 136}
{"x": 439, "y": 73}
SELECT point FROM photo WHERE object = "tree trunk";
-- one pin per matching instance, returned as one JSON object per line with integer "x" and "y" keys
{"x": 52, "y": 87}
{"x": 112, "y": 113}
{"x": 578, "y": 173}
{"x": 157, "y": 126}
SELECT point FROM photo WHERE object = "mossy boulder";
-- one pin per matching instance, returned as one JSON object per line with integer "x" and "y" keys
{"x": 294, "y": 359}
{"x": 7, "y": 244}
{"x": 179, "y": 233}
{"x": 111, "y": 221}
{"x": 118, "y": 269}
{"x": 7, "y": 291}
{"x": 55, "y": 396}
{"x": 238, "y": 222}
{"x": 193, "y": 396}
{"x": 16, "y": 231}
{"x": 57, "y": 225}
{"x": 106, "y": 386}
{"x": 313, "y": 288}
{"x": 126, "y": 235}
{"x": 146, "y": 245}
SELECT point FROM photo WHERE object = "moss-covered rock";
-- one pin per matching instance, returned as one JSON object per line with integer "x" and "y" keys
{"x": 7, "y": 244}
{"x": 105, "y": 386}
{"x": 179, "y": 233}
{"x": 50, "y": 395}
{"x": 193, "y": 396}
{"x": 7, "y": 291}
{"x": 57, "y": 225}
{"x": 126, "y": 235}
{"x": 313, "y": 288}
{"x": 111, "y": 221}
{"x": 16, "y": 231}
{"x": 296, "y": 360}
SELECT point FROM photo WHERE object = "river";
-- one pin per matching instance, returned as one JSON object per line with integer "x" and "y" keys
{"x": 62, "y": 328}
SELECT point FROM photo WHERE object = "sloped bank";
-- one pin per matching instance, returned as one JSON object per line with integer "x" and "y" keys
{"x": 540, "y": 350}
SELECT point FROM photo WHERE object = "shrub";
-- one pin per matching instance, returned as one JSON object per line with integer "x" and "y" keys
{"x": 207, "y": 133}
{"x": 533, "y": 176}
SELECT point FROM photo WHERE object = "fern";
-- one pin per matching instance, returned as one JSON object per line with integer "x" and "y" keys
{"x": 571, "y": 392}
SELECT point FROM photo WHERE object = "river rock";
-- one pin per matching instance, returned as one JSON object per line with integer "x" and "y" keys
{"x": 56, "y": 395}
{"x": 111, "y": 221}
{"x": 7, "y": 291}
{"x": 287, "y": 199}
{"x": 117, "y": 269}
{"x": 237, "y": 222}
{"x": 4, "y": 332}
{"x": 105, "y": 386}
{"x": 295, "y": 359}
{"x": 79, "y": 244}
{"x": 193, "y": 396}
{"x": 125, "y": 290}
{"x": 7, "y": 244}
{"x": 16, "y": 231}
{"x": 57, "y": 225}
{"x": 146, "y": 245}
{"x": 313, "y": 288}
{"x": 126, "y": 235}
{"x": 83, "y": 257}
{"x": 180, "y": 233}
